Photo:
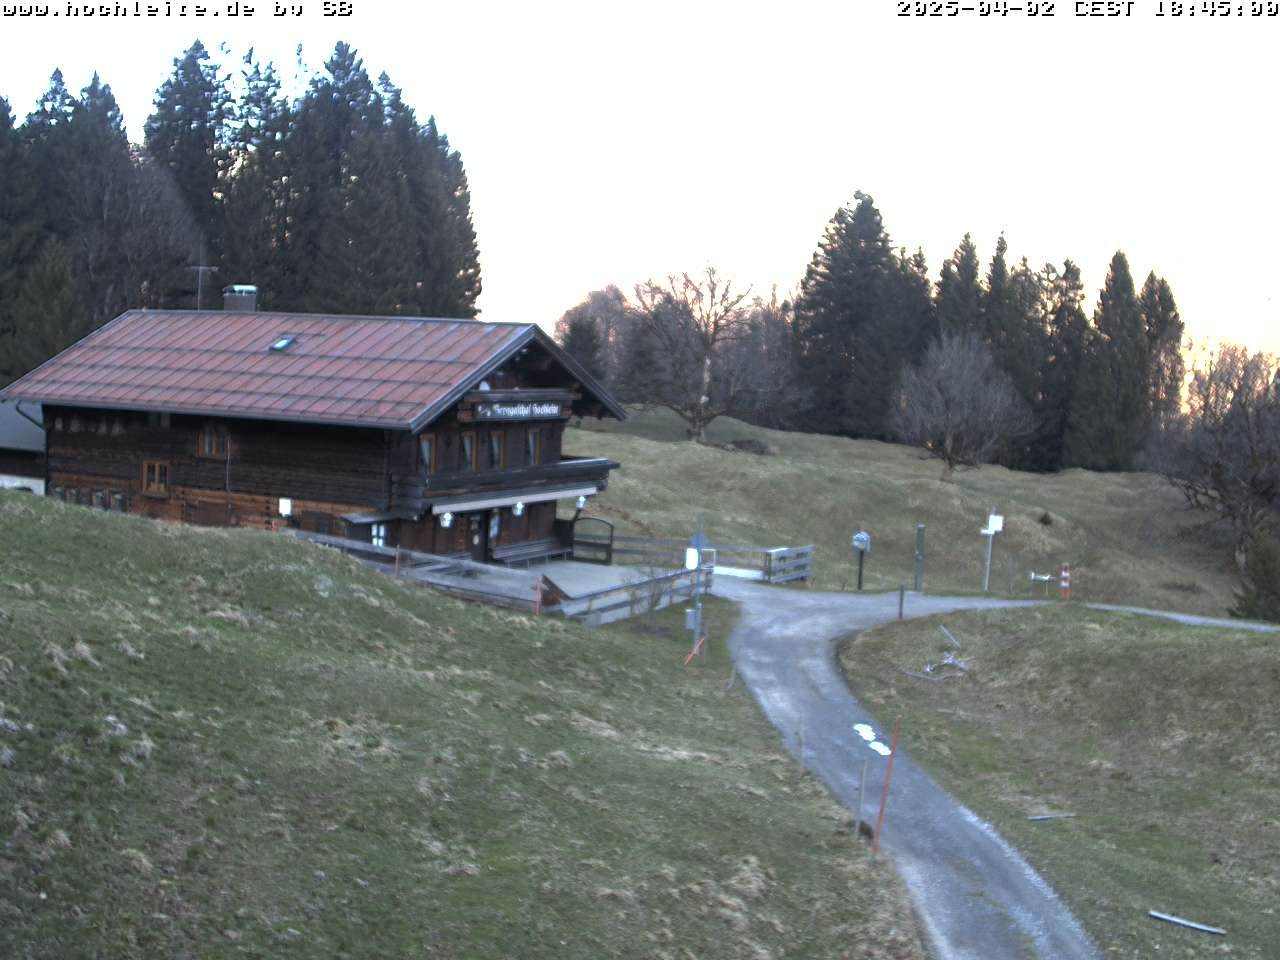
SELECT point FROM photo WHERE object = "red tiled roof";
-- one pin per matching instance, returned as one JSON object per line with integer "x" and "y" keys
{"x": 359, "y": 371}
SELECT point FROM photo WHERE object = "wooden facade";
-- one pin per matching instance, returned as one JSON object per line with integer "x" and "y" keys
{"x": 480, "y": 478}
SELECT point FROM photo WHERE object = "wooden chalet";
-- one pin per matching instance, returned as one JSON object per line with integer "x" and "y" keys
{"x": 437, "y": 435}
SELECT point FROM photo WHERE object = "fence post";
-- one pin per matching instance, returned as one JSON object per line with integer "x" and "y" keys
{"x": 537, "y": 596}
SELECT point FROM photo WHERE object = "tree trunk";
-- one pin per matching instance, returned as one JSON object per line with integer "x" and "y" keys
{"x": 948, "y": 471}
{"x": 699, "y": 425}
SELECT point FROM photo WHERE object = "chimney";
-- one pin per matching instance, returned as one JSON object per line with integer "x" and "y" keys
{"x": 240, "y": 298}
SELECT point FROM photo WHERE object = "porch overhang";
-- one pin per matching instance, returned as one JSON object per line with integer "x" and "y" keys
{"x": 507, "y": 498}
{"x": 376, "y": 516}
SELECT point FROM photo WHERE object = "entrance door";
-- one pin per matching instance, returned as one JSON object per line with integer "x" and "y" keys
{"x": 476, "y": 536}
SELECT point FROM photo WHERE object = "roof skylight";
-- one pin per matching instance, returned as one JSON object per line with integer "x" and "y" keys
{"x": 284, "y": 343}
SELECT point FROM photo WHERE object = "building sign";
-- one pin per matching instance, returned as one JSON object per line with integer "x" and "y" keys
{"x": 534, "y": 410}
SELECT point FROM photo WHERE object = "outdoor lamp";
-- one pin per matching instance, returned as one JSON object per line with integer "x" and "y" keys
{"x": 446, "y": 520}
{"x": 517, "y": 510}
{"x": 582, "y": 502}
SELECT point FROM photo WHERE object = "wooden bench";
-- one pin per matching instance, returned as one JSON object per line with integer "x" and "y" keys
{"x": 529, "y": 550}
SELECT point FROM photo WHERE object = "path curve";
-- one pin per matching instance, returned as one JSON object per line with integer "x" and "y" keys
{"x": 977, "y": 899}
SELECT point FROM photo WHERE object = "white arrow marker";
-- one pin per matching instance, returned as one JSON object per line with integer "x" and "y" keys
{"x": 865, "y": 731}
{"x": 880, "y": 748}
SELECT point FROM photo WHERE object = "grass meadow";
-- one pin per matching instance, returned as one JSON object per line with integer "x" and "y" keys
{"x": 1163, "y": 740}
{"x": 1126, "y": 535}
{"x": 224, "y": 743}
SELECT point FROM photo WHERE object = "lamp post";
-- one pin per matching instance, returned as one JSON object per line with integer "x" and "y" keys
{"x": 861, "y": 543}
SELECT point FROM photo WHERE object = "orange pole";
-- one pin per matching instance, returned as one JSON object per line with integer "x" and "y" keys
{"x": 1064, "y": 581}
{"x": 884, "y": 794}
{"x": 537, "y": 596}
{"x": 692, "y": 652}
{"x": 397, "y": 559}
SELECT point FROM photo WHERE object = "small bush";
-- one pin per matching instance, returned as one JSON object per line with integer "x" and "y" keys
{"x": 1258, "y": 597}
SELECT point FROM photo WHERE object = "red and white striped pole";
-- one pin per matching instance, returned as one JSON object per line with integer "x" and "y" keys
{"x": 1064, "y": 581}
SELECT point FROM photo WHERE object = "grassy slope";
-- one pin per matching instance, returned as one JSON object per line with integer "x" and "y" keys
{"x": 1126, "y": 535}
{"x": 313, "y": 760}
{"x": 1164, "y": 741}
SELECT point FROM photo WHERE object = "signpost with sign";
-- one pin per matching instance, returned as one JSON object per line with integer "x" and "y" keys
{"x": 861, "y": 543}
{"x": 995, "y": 523}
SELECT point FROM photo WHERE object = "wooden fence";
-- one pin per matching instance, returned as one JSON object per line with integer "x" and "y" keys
{"x": 518, "y": 589}
{"x": 774, "y": 564}
{"x": 632, "y": 599}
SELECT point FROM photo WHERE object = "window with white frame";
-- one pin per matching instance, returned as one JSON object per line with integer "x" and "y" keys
{"x": 378, "y": 534}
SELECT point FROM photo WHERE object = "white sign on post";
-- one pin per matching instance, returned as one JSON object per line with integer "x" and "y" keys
{"x": 995, "y": 523}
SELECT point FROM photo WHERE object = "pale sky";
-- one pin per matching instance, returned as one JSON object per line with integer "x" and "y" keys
{"x": 609, "y": 143}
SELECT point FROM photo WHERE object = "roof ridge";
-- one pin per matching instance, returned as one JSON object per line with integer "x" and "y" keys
{"x": 331, "y": 316}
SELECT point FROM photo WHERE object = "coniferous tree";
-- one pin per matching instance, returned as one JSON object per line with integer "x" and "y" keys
{"x": 1109, "y": 413}
{"x": 581, "y": 341}
{"x": 850, "y": 341}
{"x": 1258, "y": 596}
{"x": 19, "y": 231}
{"x": 256, "y": 186}
{"x": 1164, "y": 330}
{"x": 960, "y": 291}
{"x": 107, "y": 233}
{"x": 1016, "y": 330}
{"x": 452, "y": 284}
{"x": 188, "y": 135}
{"x": 913, "y": 307}
{"x": 1066, "y": 327}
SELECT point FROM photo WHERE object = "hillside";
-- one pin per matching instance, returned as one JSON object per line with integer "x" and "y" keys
{"x": 1127, "y": 536}
{"x": 222, "y": 743}
{"x": 1162, "y": 740}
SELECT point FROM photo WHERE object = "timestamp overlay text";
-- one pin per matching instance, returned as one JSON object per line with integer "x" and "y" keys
{"x": 1241, "y": 10}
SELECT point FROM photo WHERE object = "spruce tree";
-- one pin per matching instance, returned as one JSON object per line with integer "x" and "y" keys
{"x": 960, "y": 291}
{"x": 850, "y": 342}
{"x": 1258, "y": 596}
{"x": 1014, "y": 317}
{"x": 188, "y": 135}
{"x": 256, "y": 186}
{"x": 448, "y": 238}
{"x": 1066, "y": 329}
{"x": 1164, "y": 331}
{"x": 17, "y": 231}
{"x": 582, "y": 342}
{"x": 1109, "y": 413}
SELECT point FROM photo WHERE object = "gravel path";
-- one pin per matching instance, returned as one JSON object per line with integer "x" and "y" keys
{"x": 977, "y": 899}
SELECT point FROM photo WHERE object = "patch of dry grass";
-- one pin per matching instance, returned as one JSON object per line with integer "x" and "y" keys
{"x": 1162, "y": 740}
{"x": 241, "y": 745}
{"x": 1125, "y": 534}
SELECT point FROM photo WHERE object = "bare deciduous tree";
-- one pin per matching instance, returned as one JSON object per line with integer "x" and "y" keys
{"x": 1223, "y": 453}
{"x": 691, "y": 324}
{"x": 958, "y": 405}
